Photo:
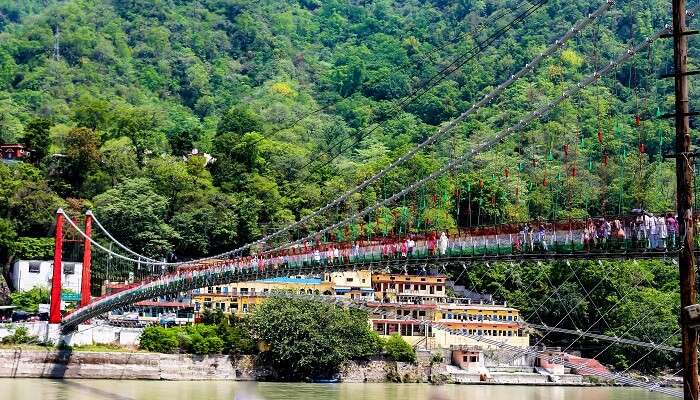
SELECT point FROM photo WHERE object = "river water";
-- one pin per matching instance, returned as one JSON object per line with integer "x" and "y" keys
{"x": 84, "y": 389}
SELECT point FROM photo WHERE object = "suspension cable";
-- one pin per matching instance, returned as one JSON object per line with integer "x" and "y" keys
{"x": 441, "y": 132}
{"x": 498, "y": 138}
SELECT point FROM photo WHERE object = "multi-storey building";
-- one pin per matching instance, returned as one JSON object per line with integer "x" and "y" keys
{"x": 241, "y": 297}
{"x": 425, "y": 298}
{"x": 409, "y": 288}
{"x": 352, "y": 284}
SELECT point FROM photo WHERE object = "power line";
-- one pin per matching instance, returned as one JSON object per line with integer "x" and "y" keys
{"x": 542, "y": 111}
{"x": 485, "y": 100}
{"x": 441, "y": 132}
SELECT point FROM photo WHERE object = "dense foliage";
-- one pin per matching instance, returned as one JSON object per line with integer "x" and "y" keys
{"x": 216, "y": 336}
{"x": 631, "y": 299}
{"x": 304, "y": 338}
{"x": 110, "y": 94}
{"x": 397, "y": 349}
{"x": 29, "y": 300}
{"x": 296, "y": 338}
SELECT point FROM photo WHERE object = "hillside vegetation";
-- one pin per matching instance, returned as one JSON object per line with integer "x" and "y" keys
{"x": 299, "y": 100}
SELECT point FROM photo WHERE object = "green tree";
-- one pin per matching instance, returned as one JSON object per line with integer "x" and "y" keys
{"x": 158, "y": 339}
{"x": 29, "y": 300}
{"x": 82, "y": 147}
{"x": 398, "y": 349}
{"x": 36, "y": 139}
{"x": 142, "y": 126}
{"x": 135, "y": 214}
{"x": 239, "y": 120}
{"x": 307, "y": 338}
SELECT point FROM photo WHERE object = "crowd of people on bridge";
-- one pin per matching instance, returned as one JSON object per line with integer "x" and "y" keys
{"x": 642, "y": 231}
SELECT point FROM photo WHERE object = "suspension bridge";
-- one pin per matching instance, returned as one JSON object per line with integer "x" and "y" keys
{"x": 403, "y": 246}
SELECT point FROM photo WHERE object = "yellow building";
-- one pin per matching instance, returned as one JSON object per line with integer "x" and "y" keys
{"x": 497, "y": 322}
{"x": 240, "y": 298}
{"x": 352, "y": 284}
{"x": 409, "y": 288}
{"x": 425, "y": 298}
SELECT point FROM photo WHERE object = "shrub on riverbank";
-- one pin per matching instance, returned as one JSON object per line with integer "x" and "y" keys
{"x": 227, "y": 336}
{"x": 397, "y": 349}
{"x": 304, "y": 338}
{"x": 19, "y": 336}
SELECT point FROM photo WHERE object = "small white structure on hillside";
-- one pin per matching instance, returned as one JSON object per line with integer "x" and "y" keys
{"x": 28, "y": 274}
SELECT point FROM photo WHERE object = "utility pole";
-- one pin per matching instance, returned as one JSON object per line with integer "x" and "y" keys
{"x": 684, "y": 199}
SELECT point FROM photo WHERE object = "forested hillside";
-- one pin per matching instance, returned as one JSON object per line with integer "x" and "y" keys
{"x": 299, "y": 100}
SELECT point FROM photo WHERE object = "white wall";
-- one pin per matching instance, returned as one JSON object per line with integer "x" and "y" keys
{"x": 22, "y": 279}
{"x": 86, "y": 334}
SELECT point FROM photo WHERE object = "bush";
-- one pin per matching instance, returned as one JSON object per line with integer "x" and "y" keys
{"x": 160, "y": 340}
{"x": 29, "y": 300}
{"x": 19, "y": 336}
{"x": 437, "y": 358}
{"x": 197, "y": 339}
{"x": 397, "y": 349}
{"x": 310, "y": 339}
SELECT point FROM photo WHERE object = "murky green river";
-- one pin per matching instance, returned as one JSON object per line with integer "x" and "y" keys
{"x": 74, "y": 389}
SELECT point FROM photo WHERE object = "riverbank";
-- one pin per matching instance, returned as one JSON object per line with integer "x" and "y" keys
{"x": 22, "y": 362}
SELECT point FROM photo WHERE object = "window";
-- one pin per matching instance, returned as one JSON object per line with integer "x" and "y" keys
{"x": 406, "y": 286}
{"x": 465, "y": 358}
{"x": 422, "y": 287}
{"x": 349, "y": 279}
{"x": 218, "y": 290}
{"x": 473, "y": 358}
{"x": 244, "y": 290}
{"x": 225, "y": 290}
{"x": 422, "y": 279}
{"x": 35, "y": 267}
{"x": 69, "y": 268}
{"x": 439, "y": 288}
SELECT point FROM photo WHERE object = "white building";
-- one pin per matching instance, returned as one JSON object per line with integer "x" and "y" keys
{"x": 27, "y": 274}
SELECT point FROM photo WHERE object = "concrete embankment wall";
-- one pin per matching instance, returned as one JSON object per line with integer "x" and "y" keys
{"x": 23, "y": 363}
{"x": 84, "y": 335}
